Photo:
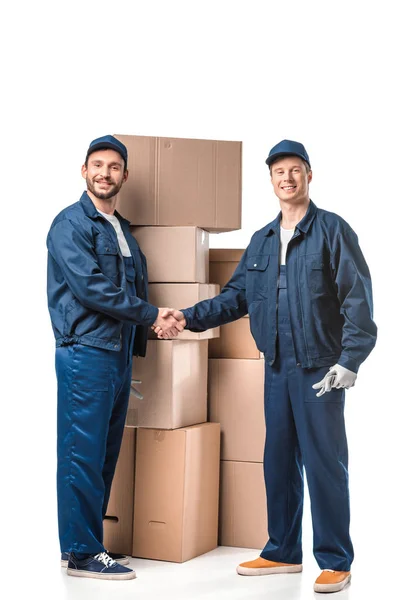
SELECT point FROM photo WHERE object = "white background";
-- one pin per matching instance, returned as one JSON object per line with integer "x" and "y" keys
{"x": 325, "y": 74}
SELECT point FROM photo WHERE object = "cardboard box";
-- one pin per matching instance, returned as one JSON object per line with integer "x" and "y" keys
{"x": 119, "y": 519}
{"x": 174, "y": 254}
{"x": 243, "y": 508}
{"x": 174, "y": 385}
{"x": 184, "y": 295}
{"x": 235, "y": 341}
{"x": 223, "y": 263}
{"x": 178, "y": 182}
{"x": 177, "y": 490}
{"x": 236, "y": 401}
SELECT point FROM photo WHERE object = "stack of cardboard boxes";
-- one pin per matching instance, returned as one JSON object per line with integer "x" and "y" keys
{"x": 166, "y": 486}
{"x": 236, "y": 401}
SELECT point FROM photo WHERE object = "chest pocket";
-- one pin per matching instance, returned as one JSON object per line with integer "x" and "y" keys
{"x": 107, "y": 256}
{"x": 257, "y": 277}
{"x": 318, "y": 277}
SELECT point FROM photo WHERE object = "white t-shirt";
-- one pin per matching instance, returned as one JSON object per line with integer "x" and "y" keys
{"x": 286, "y": 236}
{"x": 123, "y": 245}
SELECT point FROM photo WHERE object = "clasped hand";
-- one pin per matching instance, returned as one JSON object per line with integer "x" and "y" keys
{"x": 169, "y": 323}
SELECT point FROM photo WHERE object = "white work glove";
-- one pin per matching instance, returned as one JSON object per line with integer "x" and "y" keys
{"x": 336, "y": 377}
{"x": 134, "y": 391}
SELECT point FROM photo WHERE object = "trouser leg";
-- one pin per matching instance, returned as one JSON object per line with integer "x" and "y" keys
{"x": 85, "y": 402}
{"x": 283, "y": 472}
{"x": 321, "y": 429}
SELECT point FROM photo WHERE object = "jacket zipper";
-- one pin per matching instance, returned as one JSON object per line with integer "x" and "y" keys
{"x": 121, "y": 259}
{"x": 301, "y": 309}
{"x": 296, "y": 234}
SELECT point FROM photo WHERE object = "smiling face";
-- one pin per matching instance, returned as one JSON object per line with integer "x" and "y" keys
{"x": 290, "y": 179}
{"x": 104, "y": 173}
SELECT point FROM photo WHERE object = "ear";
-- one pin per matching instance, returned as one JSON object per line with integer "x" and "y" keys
{"x": 309, "y": 176}
{"x": 126, "y": 173}
{"x": 84, "y": 171}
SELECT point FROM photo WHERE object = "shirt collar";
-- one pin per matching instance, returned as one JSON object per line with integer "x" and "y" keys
{"x": 91, "y": 211}
{"x": 303, "y": 225}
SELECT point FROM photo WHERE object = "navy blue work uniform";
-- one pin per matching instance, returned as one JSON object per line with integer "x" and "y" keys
{"x": 304, "y": 430}
{"x": 305, "y": 316}
{"x": 100, "y": 316}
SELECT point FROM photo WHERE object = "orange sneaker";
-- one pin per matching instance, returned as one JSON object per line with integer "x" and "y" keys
{"x": 261, "y": 566}
{"x": 332, "y": 581}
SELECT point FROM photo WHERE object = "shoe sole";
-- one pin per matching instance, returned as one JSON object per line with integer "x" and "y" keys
{"x": 93, "y": 575}
{"x": 122, "y": 561}
{"x": 269, "y": 570}
{"x": 325, "y": 588}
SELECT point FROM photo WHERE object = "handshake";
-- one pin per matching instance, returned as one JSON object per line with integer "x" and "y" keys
{"x": 169, "y": 323}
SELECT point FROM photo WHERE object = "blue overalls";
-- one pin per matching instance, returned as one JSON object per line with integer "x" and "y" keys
{"x": 93, "y": 394}
{"x": 303, "y": 430}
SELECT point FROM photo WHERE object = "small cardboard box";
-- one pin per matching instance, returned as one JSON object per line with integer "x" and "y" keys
{"x": 223, "y": 263}
{"x": 174, "y": 254}
{"x": 174, "y": 385}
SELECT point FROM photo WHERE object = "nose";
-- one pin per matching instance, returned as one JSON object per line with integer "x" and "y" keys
{"x": 288, "y": 176}
{"x": 104, "y": 171}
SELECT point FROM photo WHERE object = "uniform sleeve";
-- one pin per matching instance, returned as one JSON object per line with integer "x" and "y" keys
{"x": 354, "y": 289}
{"x": 228, "y": 306}
{"x": 73, "y": 251}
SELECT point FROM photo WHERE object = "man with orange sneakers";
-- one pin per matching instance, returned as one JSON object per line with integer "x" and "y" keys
{"x": 305, "y": 284}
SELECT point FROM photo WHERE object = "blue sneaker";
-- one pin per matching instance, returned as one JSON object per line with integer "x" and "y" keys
{"x": 98, "y": 566}
{"x": 122, "y": 559}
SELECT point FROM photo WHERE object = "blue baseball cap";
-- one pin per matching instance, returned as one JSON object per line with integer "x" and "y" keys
{"x": 108, "y": 142}
{"x": 287, "y": 148}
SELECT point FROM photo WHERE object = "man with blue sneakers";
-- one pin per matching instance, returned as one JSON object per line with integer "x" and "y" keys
{"x": 307, "y": 288}
{"x": 97, "y": 297}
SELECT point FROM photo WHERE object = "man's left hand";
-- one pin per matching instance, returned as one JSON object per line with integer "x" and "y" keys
{"x": 336, "y": 377}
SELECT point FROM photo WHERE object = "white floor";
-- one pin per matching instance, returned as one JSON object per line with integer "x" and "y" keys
{"x": 206, "y": 577}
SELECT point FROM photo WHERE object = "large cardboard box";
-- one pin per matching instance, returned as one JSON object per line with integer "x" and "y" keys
{"x": 243, "y": 508}
{"x": 119, "y": 518}
{"x": 236, "y": 401}
{"x": 235, "y": 341}
{"x": 174, "y": 254}
{"x": 174, "y": 385}
{"x": 177, "y": 490}
{"x": 184, "y": 295}
{"x": 182, "y": 182}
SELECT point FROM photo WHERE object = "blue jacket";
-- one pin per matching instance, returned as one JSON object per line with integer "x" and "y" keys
{"x": 329, "y": 293}
{"x": 86, "y": 283}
